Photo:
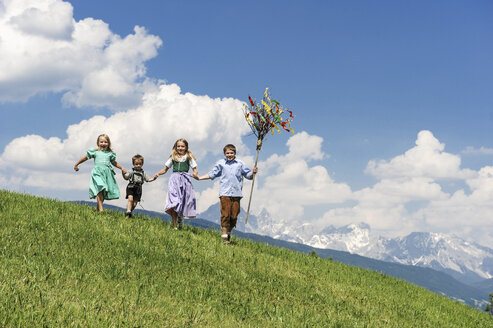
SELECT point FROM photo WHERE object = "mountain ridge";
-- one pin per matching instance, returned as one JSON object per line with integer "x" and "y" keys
{"x": 467, "y": 262}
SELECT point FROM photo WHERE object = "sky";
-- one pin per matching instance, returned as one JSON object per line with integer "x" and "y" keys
{"x": 393, "y": 103}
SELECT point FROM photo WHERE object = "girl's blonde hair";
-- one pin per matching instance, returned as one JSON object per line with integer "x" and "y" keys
{"x": 174, "y": 153}
{"x": 107, "y": 139}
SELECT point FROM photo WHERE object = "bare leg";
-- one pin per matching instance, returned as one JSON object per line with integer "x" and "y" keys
{"x": 134, "y": 205}
{"x": 100, "y": 199}
{"x": 174, "y": 216}
{"x": 130, "y": 203}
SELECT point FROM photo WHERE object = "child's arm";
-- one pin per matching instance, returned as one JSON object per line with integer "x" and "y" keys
{"x": 80, "y": 161}
{"x": 254, "y": 171}
{"x": 116, "y": 164}
{"x": 249, "y": 174}
{"x": 195, "y": 174}
{"x": 214, "y": 173}
{"x": 125, "y": 176}
{"x": 163, "y": 171}
{"x": 202, "y": 177}
{"x": 147, "y": 179}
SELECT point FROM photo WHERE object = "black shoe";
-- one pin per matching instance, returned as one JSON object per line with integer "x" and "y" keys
{"x": 129, "y": 214}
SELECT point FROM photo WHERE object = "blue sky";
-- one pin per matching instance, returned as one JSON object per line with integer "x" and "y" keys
{"x": 367, "y": 81}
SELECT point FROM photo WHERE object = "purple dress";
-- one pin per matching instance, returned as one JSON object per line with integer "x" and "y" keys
{"x": 181, "y": 196}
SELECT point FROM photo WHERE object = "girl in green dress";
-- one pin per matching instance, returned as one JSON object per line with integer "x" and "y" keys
{"x": 103, "y": 183}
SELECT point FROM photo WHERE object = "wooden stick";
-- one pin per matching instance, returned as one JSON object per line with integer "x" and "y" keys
{"x": 259, "y": 145}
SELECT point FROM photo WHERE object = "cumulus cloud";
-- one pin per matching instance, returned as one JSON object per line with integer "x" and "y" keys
{"x": 464, "y": 211}
{"x": 34, "y": 152}
{"x": 208, "y": 197}
{"x": 290, "y": 183}
{"x": 43, "y": 49}
{"x": 384, "y": 205}
{"x": 409, "y": 197}
{"x": 151, "y": 130}
{"x": 426, "y": 159}
{"x": 49, "y": 19}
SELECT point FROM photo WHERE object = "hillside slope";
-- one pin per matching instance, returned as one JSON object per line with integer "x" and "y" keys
{"x": 66, "y": 265}
{"x": 433, "y": 280}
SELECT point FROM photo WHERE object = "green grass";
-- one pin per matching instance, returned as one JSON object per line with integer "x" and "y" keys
{"x": 64, "y": 265}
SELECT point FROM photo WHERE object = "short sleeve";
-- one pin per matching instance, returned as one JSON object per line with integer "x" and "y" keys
{"x": 168, "y": 163}
{"x": 91, "y": 153}
{"x": 112, "y": 157}
{"x": 129, "y": 173}
{"x": 193, "y": 163}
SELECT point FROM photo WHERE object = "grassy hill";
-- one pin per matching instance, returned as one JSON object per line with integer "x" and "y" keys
{"x": 64, "y": 264}
{"x": 436, "y": 281}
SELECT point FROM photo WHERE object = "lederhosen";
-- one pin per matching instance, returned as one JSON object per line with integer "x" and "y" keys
{"x": 134, "y": 187}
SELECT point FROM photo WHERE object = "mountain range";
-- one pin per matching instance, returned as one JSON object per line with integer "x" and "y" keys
{"x": 469, "y": 263}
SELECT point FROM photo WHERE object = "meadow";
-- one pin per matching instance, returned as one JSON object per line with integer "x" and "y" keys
{"x": 65, "y": 265}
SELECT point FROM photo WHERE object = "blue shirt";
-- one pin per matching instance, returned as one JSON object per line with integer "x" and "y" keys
{"x": 231, "y": 174}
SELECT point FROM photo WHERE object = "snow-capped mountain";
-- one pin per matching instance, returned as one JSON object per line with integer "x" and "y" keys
{"x": 465, "y": 261}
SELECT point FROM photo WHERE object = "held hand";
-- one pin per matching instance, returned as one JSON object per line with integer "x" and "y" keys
{"x": 156, "y": 176}
{"x": 124, "y": 171}
{"x": 76, "y": 168}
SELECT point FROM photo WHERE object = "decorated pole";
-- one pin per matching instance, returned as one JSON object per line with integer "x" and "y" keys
{"x": 262, "y": 117}
{"x": 259, "y": 145}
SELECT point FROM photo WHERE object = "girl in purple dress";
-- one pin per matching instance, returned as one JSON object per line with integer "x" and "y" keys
{"x": 180, "y": 202}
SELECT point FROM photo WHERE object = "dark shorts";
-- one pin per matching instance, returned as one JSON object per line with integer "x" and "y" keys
{"x": 135, "y": 191}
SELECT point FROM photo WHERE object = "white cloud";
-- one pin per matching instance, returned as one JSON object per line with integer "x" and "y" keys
{"x": 43, "y": 49}
{"x": 151, "y": 130}
{"x": 383, "y": 206}
{"x": 35, "y": 153}
{"x": 426, "y": 159}
{"x": 289, "y": 183}
{"x": 414, "y": 178}
{"x": 465, "y": 211}
{"x": 208, "y": 197}
{"x": 49, "y": 19}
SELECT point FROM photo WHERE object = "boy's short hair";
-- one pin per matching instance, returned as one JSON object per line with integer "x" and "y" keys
{"x": 137, "y": 157}
{"x": 229, "y": 146}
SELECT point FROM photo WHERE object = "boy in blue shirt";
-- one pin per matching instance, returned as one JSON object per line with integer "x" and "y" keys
{"x": 231, "y": 172}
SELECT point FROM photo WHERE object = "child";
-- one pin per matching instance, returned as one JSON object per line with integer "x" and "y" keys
{"x": 103, "y": 183}
{"x": 180, "y": 201}
{"x": 231, "y": 171}
{"x": 136, "y": 177}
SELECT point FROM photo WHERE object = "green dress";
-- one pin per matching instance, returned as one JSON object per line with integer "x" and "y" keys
{"x": 103, "y": 176}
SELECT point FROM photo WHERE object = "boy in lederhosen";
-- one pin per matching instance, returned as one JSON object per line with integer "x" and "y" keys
{"x": 136, "y": 177}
